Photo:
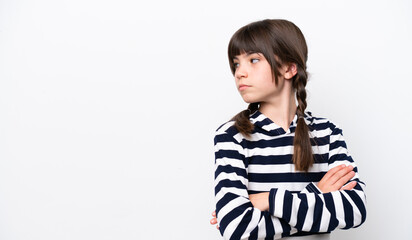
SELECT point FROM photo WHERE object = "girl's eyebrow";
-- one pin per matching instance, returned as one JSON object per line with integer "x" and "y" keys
{"x": 247, "y": 54}
{"x": 250, "y": 53}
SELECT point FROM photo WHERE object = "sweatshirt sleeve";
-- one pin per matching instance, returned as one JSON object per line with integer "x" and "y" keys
{"x": 237, "y": 217}
{"x": 313, "y": 211}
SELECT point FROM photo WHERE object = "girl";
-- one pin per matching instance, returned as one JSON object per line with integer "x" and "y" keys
{"x": 280, "y": 171}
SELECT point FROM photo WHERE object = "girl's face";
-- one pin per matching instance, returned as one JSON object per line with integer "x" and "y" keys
{"x": 254, "y": 79}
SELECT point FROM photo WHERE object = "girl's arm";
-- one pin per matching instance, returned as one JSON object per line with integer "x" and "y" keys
{"x": 237, "y": 217}
{"x": 319, "y": 212}
{"x": 335, "y": 179}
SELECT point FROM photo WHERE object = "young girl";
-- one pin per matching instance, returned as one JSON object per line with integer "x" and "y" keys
{"x": 280, "y": 171}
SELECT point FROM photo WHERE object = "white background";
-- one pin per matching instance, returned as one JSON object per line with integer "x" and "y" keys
{"x": 108, "y": 110}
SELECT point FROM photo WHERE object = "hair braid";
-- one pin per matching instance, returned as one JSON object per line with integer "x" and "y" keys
{"x": 302, "y": 156}
{"x": 242, "y": 122}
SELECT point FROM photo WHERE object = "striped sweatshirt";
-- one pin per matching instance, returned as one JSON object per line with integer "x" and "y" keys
{"x": 263, "y": 163}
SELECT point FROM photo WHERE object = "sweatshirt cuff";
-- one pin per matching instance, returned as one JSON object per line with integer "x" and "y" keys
{"x": 272, "y": 195}
{"x": 311, "y": 188}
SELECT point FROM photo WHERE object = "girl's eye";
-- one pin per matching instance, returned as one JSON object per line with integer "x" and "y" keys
{"x": 254, "y": 60}
{"x": 235, "y": 65}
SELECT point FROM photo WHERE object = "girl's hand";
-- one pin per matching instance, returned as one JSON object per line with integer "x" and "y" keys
{"x": 213, "y": 221}
{"x": 336, "y": 177}
{"x": 260, "y": 201}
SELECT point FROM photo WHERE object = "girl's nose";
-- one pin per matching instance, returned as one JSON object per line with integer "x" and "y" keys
{"x": 241, "y": 72}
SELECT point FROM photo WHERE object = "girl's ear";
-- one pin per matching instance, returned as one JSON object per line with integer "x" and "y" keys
{"x": 290, "y": 70}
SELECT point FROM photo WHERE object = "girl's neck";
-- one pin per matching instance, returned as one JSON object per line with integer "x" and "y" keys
{"x": 281, "y": 111}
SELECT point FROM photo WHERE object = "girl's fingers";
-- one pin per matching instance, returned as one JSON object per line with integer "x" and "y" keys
{"x": 336, "y": 179}
{"x": 349, "y": 186}
{"x": 332, "y": 172}
{"x": 213, "y": 221}
{"x": 344, "y": 179}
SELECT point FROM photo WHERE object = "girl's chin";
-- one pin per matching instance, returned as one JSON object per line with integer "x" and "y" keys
{"x": 249, "y": 100}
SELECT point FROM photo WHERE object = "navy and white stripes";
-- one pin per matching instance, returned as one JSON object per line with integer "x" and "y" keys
{"x": 263, "y": 163}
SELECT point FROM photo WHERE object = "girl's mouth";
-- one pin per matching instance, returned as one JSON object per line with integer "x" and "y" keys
{"x": 243, "y": 87}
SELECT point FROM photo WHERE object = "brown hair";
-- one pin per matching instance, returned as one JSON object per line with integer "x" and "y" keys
{"x": 280, "y": 41}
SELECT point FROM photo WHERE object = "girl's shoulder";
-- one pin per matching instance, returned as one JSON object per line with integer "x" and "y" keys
{"x": 311, "y": 118}
{"x": 228, "y": 132}
{"x": 227, "y": 128}
{"x": 320, "y": 122}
